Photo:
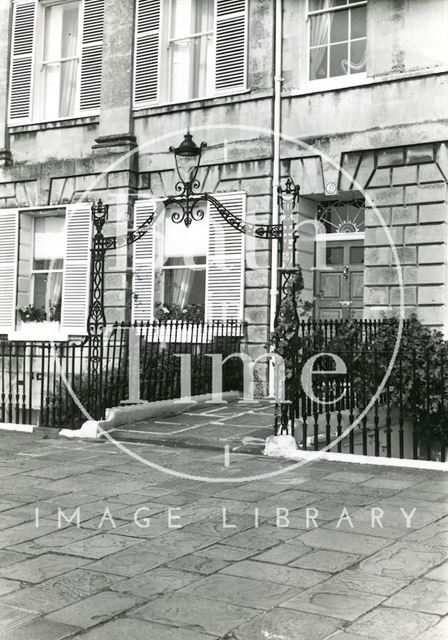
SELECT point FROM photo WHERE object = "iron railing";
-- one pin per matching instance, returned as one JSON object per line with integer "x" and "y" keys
{"x": 400, "y": 411}
{"x": 317, "y": 334}
{"x": 48, "y": 384}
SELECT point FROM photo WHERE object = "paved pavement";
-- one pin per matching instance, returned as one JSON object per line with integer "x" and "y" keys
{"x": 278, "y": 568}
{"x": 241, "y": 427}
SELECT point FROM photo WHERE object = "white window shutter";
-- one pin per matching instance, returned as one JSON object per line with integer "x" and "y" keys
{"x": 225, "y": 262}
{"x": 9, "y": 243}
{"x": 92, "y": 55}
{"x": 143, "y": 265}
{"x": 21, "y": 75}
{"x": 76, "y": 288}
{"x": 231, "y": 45}
{"x": 147, "y": 52}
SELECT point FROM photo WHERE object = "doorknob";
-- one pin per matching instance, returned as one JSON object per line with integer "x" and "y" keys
{"x": 345, "y": 272}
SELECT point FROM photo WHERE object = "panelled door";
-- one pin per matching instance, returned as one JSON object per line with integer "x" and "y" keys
{"x": 339, "y": 287}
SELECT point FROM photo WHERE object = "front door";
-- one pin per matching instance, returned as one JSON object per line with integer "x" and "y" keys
{"x": 339, "y": 288}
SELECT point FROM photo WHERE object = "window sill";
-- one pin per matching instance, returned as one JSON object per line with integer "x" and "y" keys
{"x": 334, "y": 84}
{"x": 203, "y": 103}
{"x": 54, "y": 124}
{"x": 39, "y": 331}
{"x": 323, "y": 86}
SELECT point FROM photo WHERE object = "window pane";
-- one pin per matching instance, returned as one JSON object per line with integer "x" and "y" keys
{"x": 337, "y": 3}
{"x": 184, "y": 286}
{"x": 357, "y": 255}
{"x": 180, "y": 67}
{"x": 69, "y": 35}
{"x": 61, "y": 31}
{"x": 358, "y": 56}
{"x": 49, "y": 238}
{"x": 316, "y": 5}
{"x": 359, "y": 22}
{"x": 48, "y": 294}
{"x": 60, "y": 76}
{"x": 203, "y": 19}
{"x": 68, "y": 89}
{"x": 181, "y": 18}
{"x": 338, "y": 60}
{"x": 335, "y": 255}
{"x": 319, "y": 30}
{"x": 48, "y": 265}
{"x": 51, "y": 90}
{"x": 183, "y": 242}
{"x": 182, "y": 261}
{"x": 318, "y": 63}
{"x": 339, "y": 26}
{"x": 191, "y": 59}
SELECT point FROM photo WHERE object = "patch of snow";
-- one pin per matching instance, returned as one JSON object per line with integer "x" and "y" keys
{"x": 280, "y": 447}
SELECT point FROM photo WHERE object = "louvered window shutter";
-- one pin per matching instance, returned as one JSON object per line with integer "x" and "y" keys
{"x": 143, "y": 265}
{"x": 91, "y": 57}
{"x": 9, "y": 242}
{"x": 21, "y": 76}
{"x": 231, "y": 45}
{"x": 225, "y": 263}
{"x": 147, "y": 52}
{"x": 76, "y": 288}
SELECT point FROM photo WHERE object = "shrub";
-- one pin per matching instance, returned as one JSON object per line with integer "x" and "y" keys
{"x": 418, "y": 381}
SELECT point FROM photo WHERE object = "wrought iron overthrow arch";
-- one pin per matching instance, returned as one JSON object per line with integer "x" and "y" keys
{"x": 188, "y": 202}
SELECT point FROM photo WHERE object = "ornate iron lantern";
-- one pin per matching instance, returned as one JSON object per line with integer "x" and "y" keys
{"x": 187, "y": 157}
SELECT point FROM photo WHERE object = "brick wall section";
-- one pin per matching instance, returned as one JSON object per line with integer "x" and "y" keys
{"x": 409, "y": 189}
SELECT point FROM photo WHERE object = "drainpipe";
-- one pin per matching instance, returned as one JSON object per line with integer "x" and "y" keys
{"x": 276, "y": 127}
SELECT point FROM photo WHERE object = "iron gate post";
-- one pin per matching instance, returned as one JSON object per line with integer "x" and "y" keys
{"x": 288, "y": 198}
{"x": 96, "y": 322}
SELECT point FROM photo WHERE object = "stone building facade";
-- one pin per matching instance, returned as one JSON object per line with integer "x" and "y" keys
{"x": 357, "y": 116}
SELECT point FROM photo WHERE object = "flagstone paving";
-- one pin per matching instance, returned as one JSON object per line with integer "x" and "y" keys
{"x": 161, "y": 555}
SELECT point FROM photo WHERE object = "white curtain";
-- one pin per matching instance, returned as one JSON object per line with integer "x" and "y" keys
{"x": 54, "y": 293}
{"x": 61, "y": 42}
{"x": 181, "y": 286}
{"x": 69, "y": 69}
{"x": 319, "y": 28}
{"x": 191, "y": 59}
